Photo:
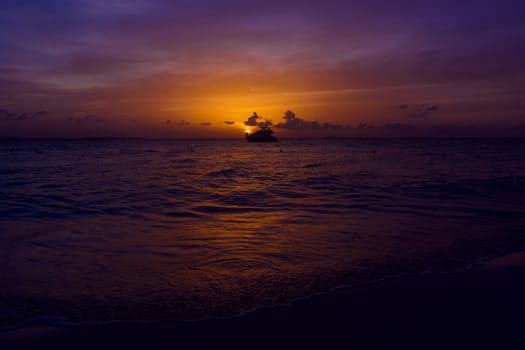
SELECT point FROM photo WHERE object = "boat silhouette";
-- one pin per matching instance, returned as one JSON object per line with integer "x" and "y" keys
{"x": 263, "y": 134}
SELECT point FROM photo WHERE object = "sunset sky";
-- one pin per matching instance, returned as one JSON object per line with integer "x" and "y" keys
{"x": 200, "y": 68}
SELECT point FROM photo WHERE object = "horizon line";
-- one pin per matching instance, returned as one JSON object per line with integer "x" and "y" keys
{"x": 88, "y": 138}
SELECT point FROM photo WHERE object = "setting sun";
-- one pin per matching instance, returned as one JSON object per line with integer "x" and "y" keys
{"x": 387, "y": 146}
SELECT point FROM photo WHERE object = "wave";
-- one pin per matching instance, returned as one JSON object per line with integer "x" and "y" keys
{"x": 221, "y": 230}
{"x": 62, "y": 321}
{"x": 183, "y": 214}
{"x": 183, "y": 161}
{"x": 223, "y": 172}
{"x": 220, "y": 209}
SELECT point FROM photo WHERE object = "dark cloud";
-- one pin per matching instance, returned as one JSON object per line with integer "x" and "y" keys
{"x": 205, "y": 124}
{"x": 252, "y": 120}
{"x": 295, "y": 123}
{"x": 266, "y": 123}
{"x": 24, "y": 116}
{"x": 292, "y": 122}
{"x": 330, "y": 126}
{"x": 410, "y": 130}
{"x": 38, "y": 114}
{"x": 256, "y": 120}
{"x": 422, "y": 111}
{"x": 450, "y": 130}
{"x": 229, "y": 122}
{"x": 181, "y": 122}
{"x": 425, "y": 111}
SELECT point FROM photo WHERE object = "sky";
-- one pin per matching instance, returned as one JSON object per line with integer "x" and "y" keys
{"x": 201, "y": 68}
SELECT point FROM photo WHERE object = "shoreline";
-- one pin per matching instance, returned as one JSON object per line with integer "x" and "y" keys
{"x": 481, "y": 307}
{"x": 60, "y": 323}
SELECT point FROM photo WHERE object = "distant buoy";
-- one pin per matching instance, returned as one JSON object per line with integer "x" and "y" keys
{"x": 373, "y": 151}
{"x": 280, "y": 151}
{"x": 443, "y": 154}
{"x": 477, "y": 156}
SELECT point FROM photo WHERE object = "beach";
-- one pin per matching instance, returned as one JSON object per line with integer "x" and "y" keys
{"x": 479, "y": 308}
{"x": 277, "y": 174}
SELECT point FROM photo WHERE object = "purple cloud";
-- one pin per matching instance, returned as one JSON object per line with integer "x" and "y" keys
{"x": 292, "y": 122}
{"x": 24, "y": 116}
{"x": 424, "y": 111}
{"x": 295, "y": 123}
{"x": 38, "y": 114}
{"x": 126, "y": 55}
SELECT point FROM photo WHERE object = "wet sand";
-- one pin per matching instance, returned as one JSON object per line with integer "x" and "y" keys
{"x": 481, "y": 308}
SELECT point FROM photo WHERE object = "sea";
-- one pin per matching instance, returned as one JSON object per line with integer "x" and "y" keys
{"x": 105, "y": 230}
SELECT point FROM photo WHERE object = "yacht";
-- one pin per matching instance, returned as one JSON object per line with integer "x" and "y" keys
{"x": 264, "y": 134}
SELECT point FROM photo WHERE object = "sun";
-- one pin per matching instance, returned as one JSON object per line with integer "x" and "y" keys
{"x": 247, "y": 131}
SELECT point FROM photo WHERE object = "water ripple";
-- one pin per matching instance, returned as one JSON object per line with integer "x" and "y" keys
{"x": 143, "y": 229}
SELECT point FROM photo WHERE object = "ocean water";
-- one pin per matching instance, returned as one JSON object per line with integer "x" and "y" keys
{"x": 101, "y": 230}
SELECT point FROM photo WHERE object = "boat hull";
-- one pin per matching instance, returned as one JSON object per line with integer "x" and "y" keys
{"x": 261, "y": 139}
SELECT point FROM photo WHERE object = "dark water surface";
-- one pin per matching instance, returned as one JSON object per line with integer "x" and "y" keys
{"x": 99, "y": 230}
